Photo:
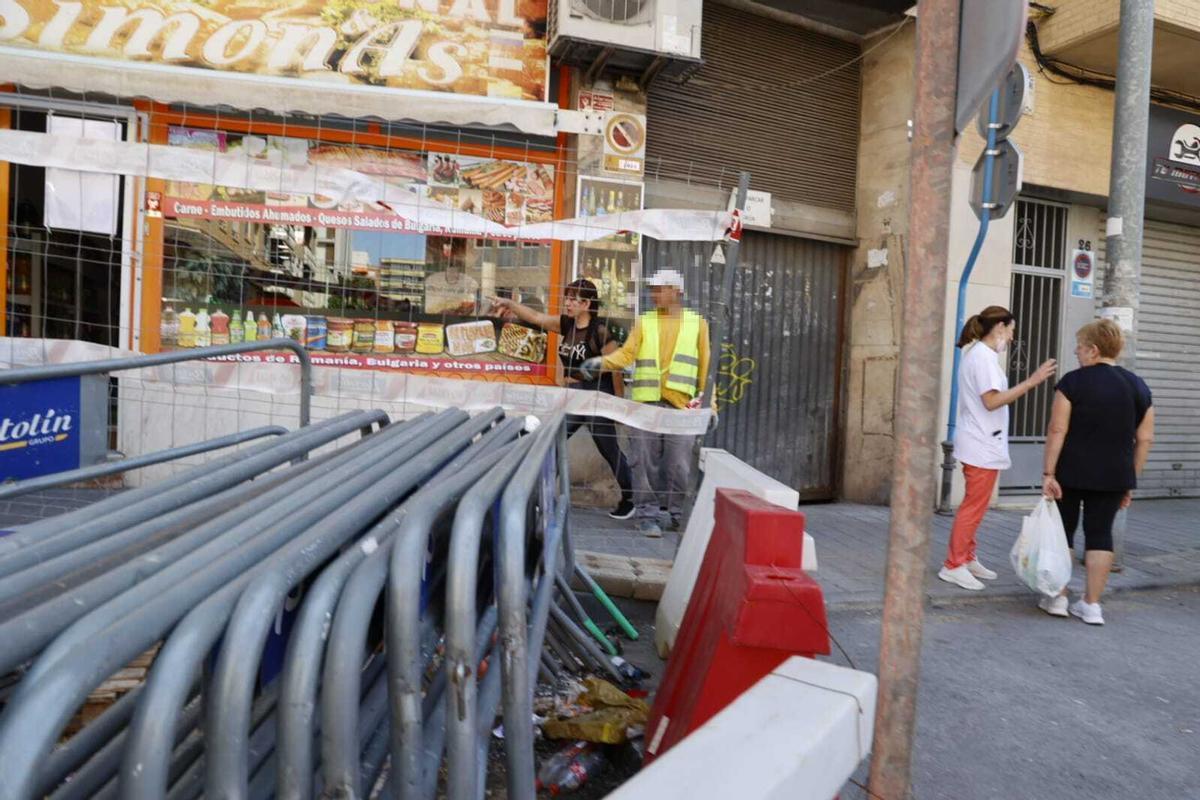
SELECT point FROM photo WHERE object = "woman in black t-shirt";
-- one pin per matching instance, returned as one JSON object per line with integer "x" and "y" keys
{"x": 1101, "y": 429}
{"x": 582, "y": 336}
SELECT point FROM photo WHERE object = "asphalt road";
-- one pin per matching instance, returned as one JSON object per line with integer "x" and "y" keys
{"x": 1017, "y": 705}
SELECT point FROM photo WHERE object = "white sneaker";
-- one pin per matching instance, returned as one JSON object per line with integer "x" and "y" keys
{"x": 980, "y": 571}
{"x": 1088, "y": 612}
{"x": 960, "y": 576}
{"x": 1054, "y": 606}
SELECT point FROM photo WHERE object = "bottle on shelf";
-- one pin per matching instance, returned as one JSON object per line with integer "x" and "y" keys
{"x": 249, "y": 326}
{"x": 237, "y": 334}
{"x": 591, "y": 202}
{"x": 584, "y": 196}
{"x": 169, "y": 328}
{"x": 612, "y": 201}
{"x": 264, "y": 326}
{"x": 203, "y": 328}
{"x": 277, "y": 330}
{"x": 187, "y": 328}
{"x": 220, "y": 327}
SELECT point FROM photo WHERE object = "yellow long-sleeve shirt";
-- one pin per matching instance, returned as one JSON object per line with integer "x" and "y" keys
{"x": 668, "y": 332}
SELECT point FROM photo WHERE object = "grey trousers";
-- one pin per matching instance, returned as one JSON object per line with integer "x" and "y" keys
{"x": 662, "y": 470}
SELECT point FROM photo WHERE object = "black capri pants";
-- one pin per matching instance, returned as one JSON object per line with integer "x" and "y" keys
{"x": 1099, "y": 511}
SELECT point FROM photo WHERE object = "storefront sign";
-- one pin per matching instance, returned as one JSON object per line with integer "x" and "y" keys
{"x": 599, "y": 102}
{"x": 1173, "y": 157}
{"x": 489, "y": 48}
{"x": 503, "y": 192}
{"x": 463, "y": 366}
{"x": 1082, "y": 273}
{"x": 39, "y": 428}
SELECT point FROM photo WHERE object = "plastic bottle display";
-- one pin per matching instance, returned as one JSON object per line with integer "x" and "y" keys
{"x": 264, "y": 327}
{"x": 220, "y": 327}
{"x": 187, "y": 328}
{"x": 277, "y": 331}
{"x": 203, "y": 328}
{"x": 169, "y": 328}
{"x": 237, "y": 334}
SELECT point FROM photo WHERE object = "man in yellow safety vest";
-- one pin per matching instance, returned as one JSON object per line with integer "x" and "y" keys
{"x": 669, "y": 351}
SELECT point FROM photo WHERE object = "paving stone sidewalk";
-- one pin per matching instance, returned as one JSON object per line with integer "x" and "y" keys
{"x": 1162, "y": 549}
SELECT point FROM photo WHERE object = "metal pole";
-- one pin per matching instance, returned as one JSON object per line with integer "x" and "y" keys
{"x": 1127, "y": 189}
{"x": 917, "y": 400}
{"x": 960, "y": 313}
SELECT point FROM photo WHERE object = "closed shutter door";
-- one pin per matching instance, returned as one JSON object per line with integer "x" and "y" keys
{"x": 772, "y": 99}
{"x": 779, "y": 375}
{"x": 1168, "y": 356}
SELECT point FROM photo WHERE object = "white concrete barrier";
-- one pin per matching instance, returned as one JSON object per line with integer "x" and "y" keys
{"x": 721, "y": 470}
{"x": 797, "y": 734}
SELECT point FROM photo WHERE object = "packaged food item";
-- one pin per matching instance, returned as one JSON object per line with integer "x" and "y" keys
{"x": 294, "y": 326}
{"x": 249, "y": 326}
{"x": 203, "y": 329}
{"x": 339, "y": 335}
{"x": 385, "y": 336}
{"x": 264, "y": 326}
{"x": 523, "y": 343}
{"x": 277, "y": 331}
{"x": 469, "y": 338}
{"x": 187, "y": 328}
{"x": 169, "y": 327}
{"x": 237, "y": 334}
{"x": 364, "y": 336}
{"x": 406, "y": 337}
{"x": 315, "y": 333}
{"x": 220, "y": 327}
{"x": 429, "y": 338}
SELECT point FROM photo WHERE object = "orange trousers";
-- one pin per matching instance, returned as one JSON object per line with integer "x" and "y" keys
{"x": 980, "y": 483}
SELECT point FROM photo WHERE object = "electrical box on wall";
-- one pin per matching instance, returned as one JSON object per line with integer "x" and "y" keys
{"x": 647, "y": 38}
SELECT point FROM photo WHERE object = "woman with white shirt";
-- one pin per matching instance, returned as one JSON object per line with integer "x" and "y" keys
{"x": 981, "y": 436}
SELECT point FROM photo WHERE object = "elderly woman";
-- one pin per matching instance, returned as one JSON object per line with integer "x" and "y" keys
{"x": 1101, "y": 429}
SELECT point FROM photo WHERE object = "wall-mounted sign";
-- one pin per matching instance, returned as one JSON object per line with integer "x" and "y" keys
{"x": 625, "y": 143}
{"x": 1082, "y": 273}
{"x": 758, "y": 209}
{"x": 490, "y": 48}
{"x": 1173, "y": 155}
{"x": 600, "y": 102}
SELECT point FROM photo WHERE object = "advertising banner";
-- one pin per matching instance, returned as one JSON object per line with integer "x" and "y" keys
{"x": 482, "y": 48}
{"x": 39, "y": 428}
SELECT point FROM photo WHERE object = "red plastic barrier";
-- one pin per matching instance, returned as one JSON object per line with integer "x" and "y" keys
{"x": 751, "y": 608}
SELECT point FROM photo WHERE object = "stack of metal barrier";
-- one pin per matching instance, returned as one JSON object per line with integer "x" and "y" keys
{"x": 429, "y": 557}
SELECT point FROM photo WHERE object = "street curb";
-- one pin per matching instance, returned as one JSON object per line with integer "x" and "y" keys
{"x": 985, "y": 598}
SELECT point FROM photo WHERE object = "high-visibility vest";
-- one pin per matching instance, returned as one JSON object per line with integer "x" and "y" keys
{"x": 683, "y": 373}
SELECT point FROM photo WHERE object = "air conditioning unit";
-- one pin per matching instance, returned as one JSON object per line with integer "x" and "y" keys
{"x": 647, "y": 38}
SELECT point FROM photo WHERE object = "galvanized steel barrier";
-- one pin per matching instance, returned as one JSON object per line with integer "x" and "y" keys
{"x": 430, "y": 568}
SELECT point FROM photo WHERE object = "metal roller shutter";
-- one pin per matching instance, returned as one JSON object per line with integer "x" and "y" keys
{"x": 780, "y": 374}
{"x": 1168, "y": 356}
{"x": 770, "y": 99}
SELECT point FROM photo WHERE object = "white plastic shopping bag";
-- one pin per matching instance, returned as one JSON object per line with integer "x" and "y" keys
{"x": 1041, "y": 556}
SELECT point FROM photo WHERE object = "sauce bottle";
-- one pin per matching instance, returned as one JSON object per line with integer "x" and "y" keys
{"x": 187, "y": 328}
{"x": 220, "y": 327}
{"x": 203, "y": 331}
{"x": 237, "y": 334}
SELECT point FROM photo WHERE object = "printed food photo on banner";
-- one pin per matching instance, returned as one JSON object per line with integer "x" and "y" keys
{"x": 361, "y": 285}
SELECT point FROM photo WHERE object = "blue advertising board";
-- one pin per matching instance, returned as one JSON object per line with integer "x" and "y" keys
{"x": 40, "y": 427}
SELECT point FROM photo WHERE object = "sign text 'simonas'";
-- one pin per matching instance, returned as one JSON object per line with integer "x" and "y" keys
{"x": 359, "y": 44}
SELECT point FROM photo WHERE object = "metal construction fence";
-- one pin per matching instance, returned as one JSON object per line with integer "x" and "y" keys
{"x": 341, "y": 625}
